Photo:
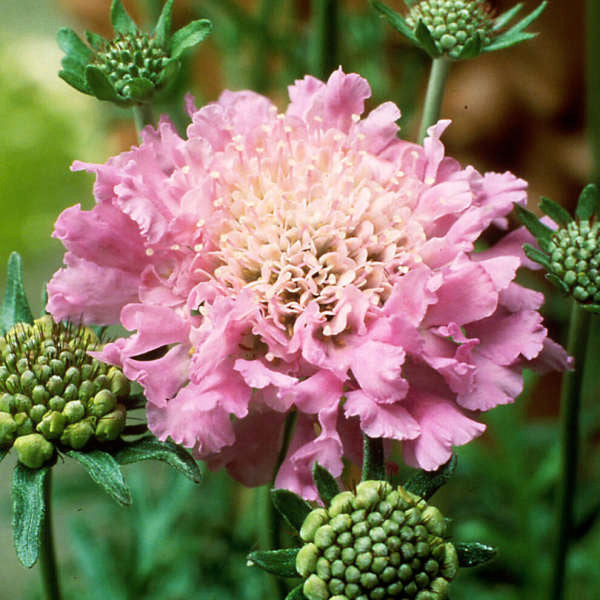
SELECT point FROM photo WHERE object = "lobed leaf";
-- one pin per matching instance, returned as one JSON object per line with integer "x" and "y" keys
{"x": 105, "y": 471}
{"x": 427, "y": 483}
{"x": 537, "y": 256}
{"x": 472, "y": 48}
{"x": 506, "y": 41}
{"x": 99, "y": 84}
{"x": 541, "y": 232}
{"x": 15, "y": 308}
{"x": 153, "y": 449}
{"x": 70, "y": 43}
{"x": 96, "y": 41}
{"x": 162, "y": 31}
{"x": 426, "y": 40}
{"x": 555, "y": 211}
{"x": 501, "y": 20}
{"x": 558, "y": 282}
{"x": 139, "y": 89}
{"x": 528, "y": 20}
{"x": 75, "y": 81}
{"x": 121, "y": 21}
{"x": 292, "y": 507}
{"x": 326, "y": 484}
{"x": 395, "y": 19}
{"x": 278, "y": 562}
{"x": 29, "y": 511}
{"x": 587, "y": 205}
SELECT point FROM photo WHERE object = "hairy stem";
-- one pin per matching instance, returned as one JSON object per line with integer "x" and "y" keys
{"x": 47, "y": 558}
{"x": 440, "y": 68}
{"x": 373, "y": 460}
{"x": 570, "y": 402}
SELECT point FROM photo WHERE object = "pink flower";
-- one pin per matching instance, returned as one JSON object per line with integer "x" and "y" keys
{"x": 311, "y": 261}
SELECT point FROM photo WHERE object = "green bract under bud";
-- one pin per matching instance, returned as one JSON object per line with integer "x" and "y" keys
{"x": 453, "y": 23}
{"x": 375, "y": 544}
{"x": 52, "y": 392}
{"x": 133, "y": 66}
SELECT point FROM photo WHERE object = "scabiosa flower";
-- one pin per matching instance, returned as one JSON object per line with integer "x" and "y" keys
{"x": 311, "y": 261}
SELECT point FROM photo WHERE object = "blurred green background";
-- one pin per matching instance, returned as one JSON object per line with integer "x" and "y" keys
{"x": 520, "y": 110}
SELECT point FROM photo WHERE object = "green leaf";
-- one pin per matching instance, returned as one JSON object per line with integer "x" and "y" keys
{"x": 555, "y": 211}
{"x": 503, "y": 19}
{"x": 426, "y": 483}
{"x": 162, "y": 31}
{"x": 99, "y": 84}
{"x": 472, "y": 48}
{"x": 70, "y": 43}
{"x": 105, "y": 471}
{"x": 537, "y": 256}
{"x": 75, "y": 81}
{"x": 121, "y": 21}
{"x": 190, "y": 35}
{"x": 473, "y": 554}
{"x": 29, "y": 510}
{"x": 528, "y": 20}
{"x": 168, "y": 72}
{"x": 542, "y": 233}
{"x": 293, "y": 508}
{"x": 153, "y": 449}
{"x": 395, "y": 20}
{"x": 326, "y": 484}
{"x": 15, "y": 308}
{"x": 426, "y": 40}
{"x": 97, "y": 42}
{"x": 3, "y": 453}
{"x": 139, "y": 89}
{"x": 506, "y": 41}
{"x": 296, "y": 594}
{"x": 558, "y": 282}
{"x": 587, "y": 204}
{"x": 278, "y": 562}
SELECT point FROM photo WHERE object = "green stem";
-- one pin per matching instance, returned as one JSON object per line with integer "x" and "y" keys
{"x": 570, "y": 402}
{"x": 263, "y": 48}
{"x": 440, "y": 68}
{"x": 373, "y": 459}
{"x": 47, "y": 558}
{"x": 325, "y": 17}
{"x": 142, "y": 115}
{"x": 593, "y": 83}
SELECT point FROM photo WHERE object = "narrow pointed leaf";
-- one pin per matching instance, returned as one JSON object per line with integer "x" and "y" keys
{"x": 15, "y": 308}
{"x": 506, "y": 41}
{"x": 70, "y": 43}
{"x": 528, "y": 20}
{"x": 121, "y": 21}
{"x": 190, "y": 35}
{"x": 278, "y": 562}
{"x": 506, "y": 17}
{"x": 3, "y": 453}
{"x": 593, "y": 308}
{"x": 139, "y": 89}
{"x": 558, "y": 282}
{"x": 555, "y": 211}
{"x": 472, "y": 48}
{"x": 537, "y": 256}
{"x": 75, "y": 81}
{"x": 105, "y": 471}
{"x": 153, "y": 449}
{"x": 588, "y": 202}
{"x": 395, "y": 19}
{"x": 426, "y": 483}
{"x": 99, "y": 84}
{"x": 293, "y": 508}
{"x": 29, "y": 509}
{"x": 96, "y": 41}
{"x": 426, "y": 40}
{"x": 296, "y": 594}
{"x": 162, "y": 31}
{"x": 542, "y": 233}
{"x": 326, "y": 484}
{"x": 474, "y": 554}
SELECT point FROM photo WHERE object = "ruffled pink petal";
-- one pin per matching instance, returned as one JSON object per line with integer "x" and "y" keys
{"x": 442, "y": 426}
{"x": 318, "y": 392}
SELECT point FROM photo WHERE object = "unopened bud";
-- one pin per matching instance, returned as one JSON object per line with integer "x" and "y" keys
{"x": 33, "y": 450}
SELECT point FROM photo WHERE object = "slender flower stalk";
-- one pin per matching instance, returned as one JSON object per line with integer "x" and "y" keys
{"x": 325, "y": 31}
{"x": 47, "y": 559}
{"x": 570, "y": 403}
{"x": 440, "y": 67}
{"x": 142, "y": 116}
{"x": 373, "y": 459}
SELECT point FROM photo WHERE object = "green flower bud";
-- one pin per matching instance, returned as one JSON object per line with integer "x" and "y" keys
{"x": 378, "y": 543}
{"x": 8, "y": 429}
{"x": 111, "y": 425}
{"x": 50, "y": 385}
{"x": 33, "y": 450}
{"x": 119, "y": 384}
